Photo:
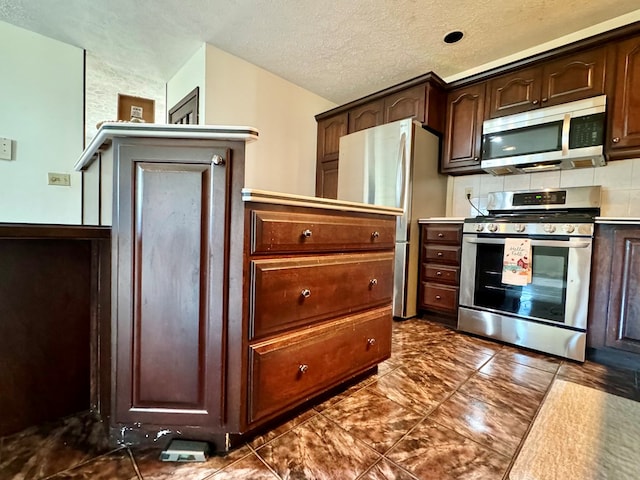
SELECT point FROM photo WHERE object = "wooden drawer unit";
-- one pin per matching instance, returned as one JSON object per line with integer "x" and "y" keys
{"x": 286, "y": 232}
{"x": 289, "y": 369}
{"x": 440, "y": 269}
{"x": 289, "y": 292}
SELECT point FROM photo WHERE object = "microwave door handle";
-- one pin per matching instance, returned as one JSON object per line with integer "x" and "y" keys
{"x": 566, "y": 125}
{"x": 534, "y": 243}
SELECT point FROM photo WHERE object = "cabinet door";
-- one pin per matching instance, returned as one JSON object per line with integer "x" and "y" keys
{"x": 623, "y": 322}
{"x": 406, "y": 103}
{"x": 574, "y": 77}
{"x": 169, "y": 286}
{"x": 463, "y": 132}
{"x": 624, "y": 117}
{"x": 515, "y": 92}
{"x": 329, "y": 132}
{"x": 366, "y": 116}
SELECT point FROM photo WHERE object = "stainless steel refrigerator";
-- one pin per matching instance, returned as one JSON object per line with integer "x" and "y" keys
{"x": 396, "y": 165}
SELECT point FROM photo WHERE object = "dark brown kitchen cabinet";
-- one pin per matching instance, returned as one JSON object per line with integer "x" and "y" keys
{"x": 366, "y": 116}
{"x": 329, "y": 132}
{"x": 406, "y": 103}
{"x": 614, "y": 304}
{"x": 440, "y": 271}
{"x": 568, "y": 78}
{"x": 624, "y": 115}
{"x": 463, "y": 131}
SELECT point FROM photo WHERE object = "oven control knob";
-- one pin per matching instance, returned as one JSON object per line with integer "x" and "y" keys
{"x": 520, "y": 227}
{"x": 492, "y": 227}
{"x": 569, "y": 228}
{"x": 479, "y": 227}
{"x": 549, "y": 227}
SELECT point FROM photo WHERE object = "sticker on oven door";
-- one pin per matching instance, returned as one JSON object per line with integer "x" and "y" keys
{"x": 516, "y": 263}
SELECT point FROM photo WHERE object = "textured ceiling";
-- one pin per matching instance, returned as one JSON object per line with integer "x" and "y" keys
{"x": 339, "y": 49}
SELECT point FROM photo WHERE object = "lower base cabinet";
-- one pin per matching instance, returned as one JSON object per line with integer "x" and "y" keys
{"x": 614, "y": 307}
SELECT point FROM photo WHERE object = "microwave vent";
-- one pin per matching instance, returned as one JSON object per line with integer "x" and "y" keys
{"x": 502, "y": 171}
{"x": 584, "y": 163}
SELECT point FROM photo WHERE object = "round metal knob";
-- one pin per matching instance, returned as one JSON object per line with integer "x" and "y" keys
{"x": 475, "y": 159}
{"x": 371, "y": 341}
{"x": 438, "y": 297}
{"x": 549, "y": 228}
{"x": 306, "y": 233}
{"x": 615, "y": 139}
{"x": 535, "y": 102}
{"x": 303, "y": 367}
{"x": 520, "y": 227}
{"x": 438, "y": 273}
{"x": 375, "y": 235}
{"x": 493, "y": 227}
{"x": 439, "y": 254}
{"x": 373, "y": 282}
{"x": 306, "y": 293}
{"x": 440, "y": 235}
{"x": 479, "y": 227}
{"x": 217, "y": 160}
{"x": 544, "y": 100}
{"x": 569, "y": 228}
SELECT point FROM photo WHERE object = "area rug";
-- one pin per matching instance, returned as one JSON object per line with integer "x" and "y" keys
{"x": 581, "y": 434}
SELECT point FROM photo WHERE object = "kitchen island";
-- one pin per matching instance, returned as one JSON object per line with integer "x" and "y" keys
{"x": 229, "y": 307}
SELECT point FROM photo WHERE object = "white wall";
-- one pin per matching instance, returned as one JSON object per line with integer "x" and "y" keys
{"x": 105, "y": 81}
{"x": 239, "y": 93}
{"x": 190, "y": 76}
{"x": 620, "y": 181}
{"x": 41, "y": 105}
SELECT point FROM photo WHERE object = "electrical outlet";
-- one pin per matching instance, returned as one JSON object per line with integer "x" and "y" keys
{"x": 5, "y": 149}
{"x": 60, "y": 179}
{"x": 468, "y": 192}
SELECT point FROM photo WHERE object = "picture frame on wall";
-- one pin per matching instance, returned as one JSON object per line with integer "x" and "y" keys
{"x": 136, "y": 109}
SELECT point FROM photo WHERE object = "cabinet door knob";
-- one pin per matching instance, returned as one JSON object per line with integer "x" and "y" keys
{"x": 545, "y": 99}
{"x": 375, "y": 235}
{"x": 306, "y": 233}
{"x": 615, "y": 139}
{"x": 439, "y": 254}
{"x": 438, "y": 297}
{"x": 439, "y": 273}
{"x": 303, "y": 367}
{"x": 371, "y": 341}
{"x": 475, "y": 159}
{"x": 440, "y": 235}
{"x": 306, "y": 293}
{"x": 535, "y": 102}
{"x": 217, "y": 160}
{"x": 373, "y": 282}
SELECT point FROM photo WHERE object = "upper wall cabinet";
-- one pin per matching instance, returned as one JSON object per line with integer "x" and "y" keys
{"x": 463, "y": 132}
{"x": 572, "y": 77}
{"x": 406, "y": 103}
{"x": 624, "y": 114}
{"x": 330, "y": 130}
{"x": 365, "y": 116}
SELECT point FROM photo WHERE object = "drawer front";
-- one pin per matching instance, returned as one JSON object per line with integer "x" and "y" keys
{"x": 441, "y": 273}
{"x": 443, "y": 233}
{"x": 286, "y": 232}
{"x": 442, "y": 253}
{"x": 290, "y": 369}
{"x": 295, "y": 291}
{"x": 440, "y": 297}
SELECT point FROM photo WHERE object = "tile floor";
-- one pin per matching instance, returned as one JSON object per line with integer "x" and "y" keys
{"x": 445, "y": 406}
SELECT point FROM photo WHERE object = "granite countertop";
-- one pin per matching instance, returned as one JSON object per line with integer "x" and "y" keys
{"x": 441, "y": 220}
{"x": 277, "y": 198}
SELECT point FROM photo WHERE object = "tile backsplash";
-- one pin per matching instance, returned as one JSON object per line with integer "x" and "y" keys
{"x": 620, "y": 181}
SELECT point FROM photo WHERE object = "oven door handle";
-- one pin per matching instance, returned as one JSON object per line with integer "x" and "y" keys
{"x": 534, "y": 243}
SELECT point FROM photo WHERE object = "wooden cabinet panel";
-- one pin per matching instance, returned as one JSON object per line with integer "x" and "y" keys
{"x": 289, "y": 369}
{"x": 441, "y": 273}
{"x": 289, "y": 232}
{"x": 575, "y": 77}
{"x": 328, "y": 143}
{"x": 289, "y": 292}
{"x": 440, "y": 297}
{"x": 366, "y": 116}
{"x": 463, "y": 132}
{"x": 443, "y": 234}
{"x": 406, "y": 103}
{"x": 624, "y": 117}
{"x": 442, "y": 253}
{"x": 514, "y": 93}
{"x": 623, "y": 323}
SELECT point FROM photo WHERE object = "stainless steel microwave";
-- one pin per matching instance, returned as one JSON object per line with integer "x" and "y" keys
{"x": 570, "y": 135}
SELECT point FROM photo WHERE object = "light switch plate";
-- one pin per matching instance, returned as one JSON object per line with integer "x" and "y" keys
{"x": 60, "y": 179}
{"x": 5, "y": 149}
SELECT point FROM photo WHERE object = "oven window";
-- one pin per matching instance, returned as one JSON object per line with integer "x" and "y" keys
{"x": 544, "y": 298}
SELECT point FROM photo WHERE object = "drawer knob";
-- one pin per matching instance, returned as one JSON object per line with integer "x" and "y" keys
{"x": 438, "y": 297}
{"x": 373, "y": 282}
{"x": 615, "y": 139}
{"x": 440, "y": 235}
{"x": 439, "y": 273}
{"x": 306, "y": 233}
{"x": 217, "y": 160}
{"x": 306, "y": 293}
{"x": 375, "y": 235}
{"x": 371, "y": 341}
{"x": 439, "y": 254}
{"x": 303, "y": 367}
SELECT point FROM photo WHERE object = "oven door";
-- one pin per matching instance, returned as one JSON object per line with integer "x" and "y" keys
{"x": 558, "y": 291}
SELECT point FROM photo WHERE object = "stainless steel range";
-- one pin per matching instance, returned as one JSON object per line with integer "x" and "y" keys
{"x": 544, "y": 307}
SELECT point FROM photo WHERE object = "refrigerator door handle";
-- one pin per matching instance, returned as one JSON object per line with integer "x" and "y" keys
{"x": 400, "y": 172}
